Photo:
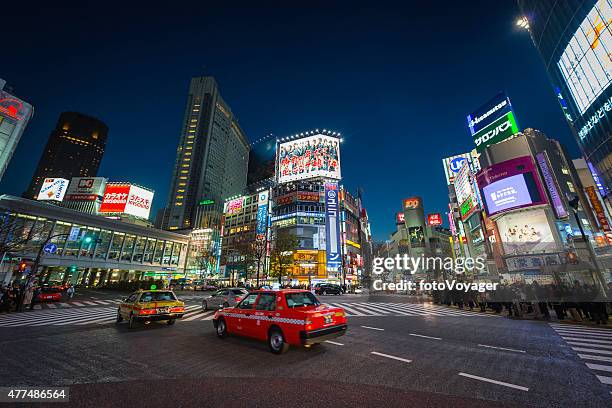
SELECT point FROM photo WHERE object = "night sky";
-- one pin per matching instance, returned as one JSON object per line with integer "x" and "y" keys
{"x": 397, "y": 79}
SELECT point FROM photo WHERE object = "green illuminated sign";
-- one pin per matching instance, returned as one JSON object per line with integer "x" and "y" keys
{"x": 206, "y": 202}
{"x": 497, "y": 131}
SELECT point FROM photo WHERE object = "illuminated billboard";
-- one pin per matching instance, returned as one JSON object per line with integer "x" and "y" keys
{"x": 333, "y": 245}
{"x": 585, "y": 63}
{"x": 496, "y": 132}
{"x": 494, "y": 109}
{"x": 510, "y": 185}
{"x": 125, "y": 198}
{"x": 452, "y": 165}
{"x": 312, "y": 156}
{"x": 53, "y": 189}
{"x": 234, "y": 206}
{"x": 86, "y": 188}
{"x": 412, "y": 203}
{"x": 434, "y": 219}
{"x": 399, "y": 218}
{"x": 526, "y": 231}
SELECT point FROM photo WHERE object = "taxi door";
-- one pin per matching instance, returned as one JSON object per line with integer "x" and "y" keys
{"x": 245, "y": 322}
{"x": 265, "y": 311}
{"x": 126, "y": 306}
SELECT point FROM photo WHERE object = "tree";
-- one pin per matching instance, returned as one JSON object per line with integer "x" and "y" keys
{"x": 284, "y": 245}
{"x": 15, "y": 235}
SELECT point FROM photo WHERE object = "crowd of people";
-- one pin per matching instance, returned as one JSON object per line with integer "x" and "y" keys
{"x": 19, "y": 296}
{"x": 577, "y": 301}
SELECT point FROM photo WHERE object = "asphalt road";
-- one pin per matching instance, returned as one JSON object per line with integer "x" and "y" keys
{"x": 397, "y": 352}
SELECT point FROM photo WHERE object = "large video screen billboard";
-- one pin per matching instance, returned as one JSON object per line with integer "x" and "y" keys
{"x": 313, "y": 156}
{"x": 526, "y": 231}
{"x": 510, "y": 185}
{"x": 585, "y": 63}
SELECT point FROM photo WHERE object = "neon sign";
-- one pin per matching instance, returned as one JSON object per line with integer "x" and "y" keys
{"x": 11, "y": 107}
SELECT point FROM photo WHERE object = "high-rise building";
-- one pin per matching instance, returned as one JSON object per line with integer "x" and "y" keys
{"x": 211, "y": 160}
{"x": 74, "y": 149}
{"x": 262, "y": 160}
{"x": 574, "y": 38}
{"x": 14, "y": 117}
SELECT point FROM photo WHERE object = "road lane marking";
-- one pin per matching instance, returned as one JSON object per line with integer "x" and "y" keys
{"x": 89, "y": 303}
{"x": 505, "y": 384}
{"x": 426, "y": 337}
{"x": 51, "y": 306}
{"x": 372, "y": 328}
{"x": 391, "y": 357}
{"x": 590, "y": 350}
{"x": 587, "y": 340}
{"x": 596, "y": 358}
{"x": 502, "y": 348}
{"x": 581, "y": 328}
{"x": 76, "y": 304}
{"x": 581, "y": 333}
{"x": 64, "y": 305}
{"x": 605, "y": 380}
{"x": 575, "y": 343}
{"x": 351, "y": 312}
{"x": 334, "y": 342}
{"x": 599, "y": 367}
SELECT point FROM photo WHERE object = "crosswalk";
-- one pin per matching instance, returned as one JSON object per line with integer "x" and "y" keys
{"x": 76, "y": 303}
{"x": 402, "y": 309}
{"x": 84, "y": 316}
{"x": 593, "y": 345}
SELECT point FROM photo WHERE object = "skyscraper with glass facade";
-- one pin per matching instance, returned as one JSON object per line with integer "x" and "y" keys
{"x": 574, "y": 38}
{"x": 211, "y": 160}
{"x": 14, "y": 117}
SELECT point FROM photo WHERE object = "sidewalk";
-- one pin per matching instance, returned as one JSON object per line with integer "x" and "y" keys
{"x": 531, "y": 316}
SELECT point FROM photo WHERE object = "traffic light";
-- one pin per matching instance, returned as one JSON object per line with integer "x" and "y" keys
{"x": 73, "y": 269}
{"x": 22, "y": 266}
{"x": 88, "y": 239}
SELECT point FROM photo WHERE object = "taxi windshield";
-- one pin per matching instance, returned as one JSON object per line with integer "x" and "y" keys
{"x": 156, "y": 296}
{"x": 301, "y": 299}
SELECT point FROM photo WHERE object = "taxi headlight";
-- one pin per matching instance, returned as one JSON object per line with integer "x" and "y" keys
{"x": 339, "y": 314}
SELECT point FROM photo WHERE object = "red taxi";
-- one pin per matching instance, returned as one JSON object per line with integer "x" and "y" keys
{"x": 49, "y": 295}
{"x": 282, "y": 318}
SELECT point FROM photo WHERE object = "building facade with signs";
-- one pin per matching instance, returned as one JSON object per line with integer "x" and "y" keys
{"x": 85, "y": 248}
{"x": 574, "y": 38}
{"x": 14, "y": 117}
{"x": 74, "y": 149}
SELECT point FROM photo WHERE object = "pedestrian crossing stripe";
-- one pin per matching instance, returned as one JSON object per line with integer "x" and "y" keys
{"x": 353, "y": 309}
{"x": 595, "y": 341}
{"x": 80, "y": 316}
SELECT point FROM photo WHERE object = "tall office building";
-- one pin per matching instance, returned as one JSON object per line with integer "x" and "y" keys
{"x": 574, "y": 38}
{"x": 74, "y": 149}
{"x": 14, "y": 117}
{"x": 211, "y": 160}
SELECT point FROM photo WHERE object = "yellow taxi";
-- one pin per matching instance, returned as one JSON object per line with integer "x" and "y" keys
{"x": 150, "y": 305}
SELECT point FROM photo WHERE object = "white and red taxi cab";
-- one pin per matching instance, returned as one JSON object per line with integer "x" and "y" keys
{"x": 282, "y": 318}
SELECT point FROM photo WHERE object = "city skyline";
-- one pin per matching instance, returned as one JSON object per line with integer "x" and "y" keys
{"x": 383, "y": 110}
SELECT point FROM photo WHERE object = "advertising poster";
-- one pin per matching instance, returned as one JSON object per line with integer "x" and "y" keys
{"x": 494, "y": 109}
{"x": 262, "y": 213}
{"x": 332, "y": 227}
{"x": 598, "y": 208}
{"x": 416, "y": 236}
{"x": 551, "y": 185}
{"x": 434, "y": 219}
{"x": 399, "y": 218}
{"x": 496, "y": 132}
{"x": 510, "y": 185}
{"x": 313, "y": 156}
{"x": 85, "y": 188}
{"x": 234, "y": 206}
{"x": 139, "y": 202}
{"x": 115, "y": 198}
{"x": 526, "y": 232}
{"x": 452, "y": 165}
{"x": 53, "y": 189}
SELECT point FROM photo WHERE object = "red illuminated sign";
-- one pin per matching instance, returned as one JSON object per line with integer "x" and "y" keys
{"x": 400, "y": 218}
{"x": 434, "y": 219}
{"x": 115, "y": 198}
{"x": 11, "y": 107}
{"x": 412, "y": 203}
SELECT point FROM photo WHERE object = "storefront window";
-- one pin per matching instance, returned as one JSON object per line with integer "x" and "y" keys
{"x": 88, "y": 248}
{"x": 167, "y": 253}
{"x": 103, "y": 245}
{"x": 116, "y": 245}
{"x": 73, "y": 246}
{"x": 149, "y": 249}
{"x": 175, "y": 254}
{"x": 128, "y": 248}
{"x": 60, "y": 234}
{"x": 139, "y": 250}
{"x": 159, "y": 247}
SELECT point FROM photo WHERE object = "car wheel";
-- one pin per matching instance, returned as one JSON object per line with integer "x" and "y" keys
{"x": 119, "y": 317}
{"x": 171, "y": 322}
{"x": 132, "y": 321}
{"x": 276, "y": 341}
{"x": 225, "y": 304}
{"x": 204, "y": 305}
{"x": 221, "y": 329}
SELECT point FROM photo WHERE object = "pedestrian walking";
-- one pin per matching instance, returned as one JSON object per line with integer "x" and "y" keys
{"x": 70, "y": 292}
{"x": 27, "y": 297}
